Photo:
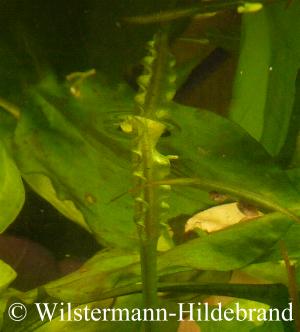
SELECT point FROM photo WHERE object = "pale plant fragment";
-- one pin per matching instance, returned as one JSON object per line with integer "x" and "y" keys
{"x": 219, "y": 217}
{"x": 10, "y": 108}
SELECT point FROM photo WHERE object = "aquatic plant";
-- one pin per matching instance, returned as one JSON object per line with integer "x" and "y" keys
{"x": 122, "y": 151}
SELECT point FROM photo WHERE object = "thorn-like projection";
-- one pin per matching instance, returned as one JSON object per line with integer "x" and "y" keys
{"x": 147, "y": 124}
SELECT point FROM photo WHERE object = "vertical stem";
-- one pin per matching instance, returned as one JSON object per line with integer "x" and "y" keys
{"x": 149, "y": 168}
{"x": 292, "y": 285}
{"x": 149, "y": 233}
{"x": 149, "y": 269}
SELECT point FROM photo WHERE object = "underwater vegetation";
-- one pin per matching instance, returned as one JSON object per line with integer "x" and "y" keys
{"x": 149, "y": 163}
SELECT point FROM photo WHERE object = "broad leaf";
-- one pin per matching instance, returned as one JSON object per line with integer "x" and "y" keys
{"x": 220, "y": 251}
{"x": 100, "y": 274}
{"x": 88, "y": 173}
{"x": 78, "y": 146}
{"x": 11, "y": 190}
{"x": 248, "y": 103}
{"x": 71, "y": 151}
{"x": 220, "y": 156}
{"x": 284, "y": 65}
{"x": 224, "y": 250}
{"x": 43, "y": 186}
{"x": 265, "y": 79}
{"x": 7, "y": 275}
{"x": 228, "y": 249}
{"x": 291, "y": 241}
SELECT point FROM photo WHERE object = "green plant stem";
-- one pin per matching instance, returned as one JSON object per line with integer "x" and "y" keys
{"x": 202, "y": 8}
{"x": 271, "y": 294}
{"x": 147, "y": 207}
{"x": 247, "y": 195}
{"x": 149, "y": 272}
{"x": 292, "y": 284}
{"x": 149, "y": 233}
{"x": 10, "y": 108}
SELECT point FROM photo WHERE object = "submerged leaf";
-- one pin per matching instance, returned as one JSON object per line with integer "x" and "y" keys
{"x": 248, "y": 103}
{"x": 220, "y": 251}
{"x": 77, "y": 144}
{"x": 7, "y": 275}
{"x": 218, "y": 155}
{"x": 88, "y": 168}
{"x": 42, "y": 185}
{"x": 11, "y": 190}
{"x": 265, "y": 80}
{"x": 100, "y": 274}
{"x": 228, "y": 249}
{"x": 72, "y": 152}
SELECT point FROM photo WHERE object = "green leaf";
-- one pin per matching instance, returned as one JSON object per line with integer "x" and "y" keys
{"x": 7, "y": 275}
{"x": 285, "y": 34}
{"x": 270, "y": 271}
{"x": 221, "y": 251}
{"x": 72, "y": 152}
{"x": 42, "y": 185}
{"x": 109, "y": 270}
{"x": 83, "y": 169}
{"x": 265, "y": 80}
{"x": 220, "y": 156}
{"x": 272, "y": 326}
{"x": 81, "y": 150}
{"x": 251, "y": 82}
{"x": 291, "y": 241}
{"x": 230, "y": 249}
{"x": 11, "y": 190}
{"x": 98, "y": 275}
{"x": 289, "y": 154}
